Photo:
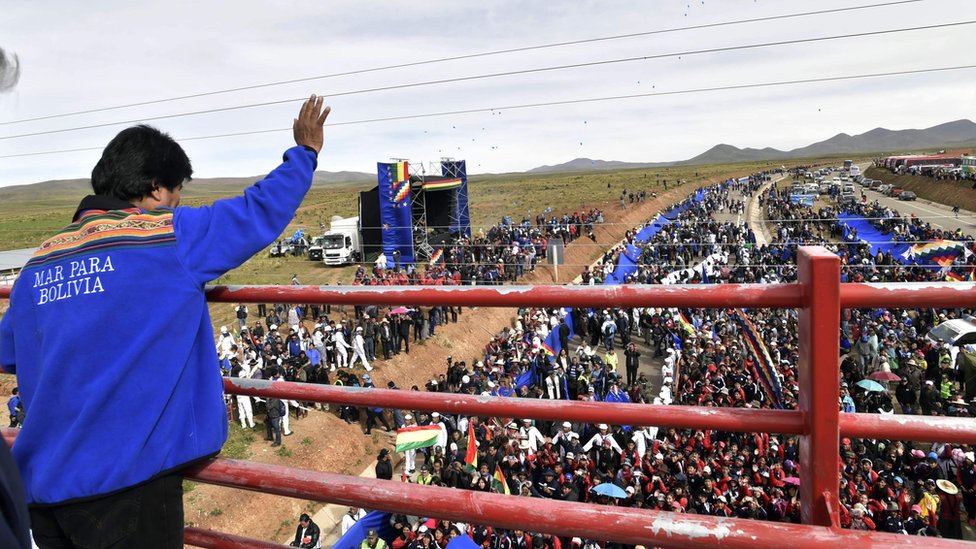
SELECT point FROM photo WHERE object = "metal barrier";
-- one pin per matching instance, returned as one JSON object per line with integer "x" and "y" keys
{"x": 819, "y": 297}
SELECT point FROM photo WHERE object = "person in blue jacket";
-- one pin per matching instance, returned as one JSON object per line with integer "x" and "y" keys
{"x": 120, "y": 290}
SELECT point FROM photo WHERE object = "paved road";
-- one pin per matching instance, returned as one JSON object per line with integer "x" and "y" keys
{"x": 939, "y": 215}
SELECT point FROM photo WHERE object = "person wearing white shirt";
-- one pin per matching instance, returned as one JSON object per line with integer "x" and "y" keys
{"x": 359, "y": 350}
{"x": 225, "y": 343}
{"x": 244, "y": 409}
{"x": 409, "y": 456}
{"x": 342, "y": 348}
{"x": 351, "y": 518}
{"x": 442, "y": 436}
{"x": 529, "y": 437}
{"x": 601, "y": 438}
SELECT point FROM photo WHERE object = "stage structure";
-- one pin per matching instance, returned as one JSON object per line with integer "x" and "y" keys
{"x": 416, "y": 214}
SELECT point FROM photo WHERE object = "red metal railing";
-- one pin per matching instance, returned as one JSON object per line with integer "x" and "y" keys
{"x": 818, "y": 295}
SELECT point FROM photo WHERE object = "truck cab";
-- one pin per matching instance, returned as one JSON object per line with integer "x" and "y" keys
{"x": 315, "y": 250}
{"x": 341, "y": 245}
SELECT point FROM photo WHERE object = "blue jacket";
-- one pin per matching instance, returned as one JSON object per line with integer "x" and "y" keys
{"x": 110, "y": 336}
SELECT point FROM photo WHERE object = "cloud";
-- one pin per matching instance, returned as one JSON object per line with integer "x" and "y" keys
{"x": 124, "y": 53}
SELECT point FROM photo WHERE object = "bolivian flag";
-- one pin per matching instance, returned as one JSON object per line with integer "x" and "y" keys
{"x": 685, "y": 323}
{"x": 412, "y": 438}
{"x": 471, "y": 456}
{"x": 500, "y": 483}
{"x": 441, "y": 184}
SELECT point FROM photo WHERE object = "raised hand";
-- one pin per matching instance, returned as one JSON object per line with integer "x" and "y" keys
{"x": 307, "y": 128}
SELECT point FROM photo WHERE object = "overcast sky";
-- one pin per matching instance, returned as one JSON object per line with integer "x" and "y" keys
{"x": 85, "y": 55}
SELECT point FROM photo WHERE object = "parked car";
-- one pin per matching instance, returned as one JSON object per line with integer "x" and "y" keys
{"x": 883, "y": 189}
{"x": 876, "y": 183}
{"x": 895, "y": 191}
{"x": 907, "y": 195}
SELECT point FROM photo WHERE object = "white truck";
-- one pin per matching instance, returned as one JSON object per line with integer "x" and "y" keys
{"x": 341, "y": 245}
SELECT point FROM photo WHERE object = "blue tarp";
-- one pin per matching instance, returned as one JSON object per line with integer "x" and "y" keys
{"x": 878, "y": 241}
{"x": 652, "y": 229}
{"x": 626, "y": 265}
{"x": 357, "y": 533}
{"x": 627, "y": 262}
{"x": 462, "y": 542}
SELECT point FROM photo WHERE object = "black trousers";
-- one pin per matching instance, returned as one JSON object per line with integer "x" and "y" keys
{"x": 148, "y": 516}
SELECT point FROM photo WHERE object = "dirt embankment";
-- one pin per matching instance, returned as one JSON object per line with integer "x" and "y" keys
{"x": 952, "y": 193}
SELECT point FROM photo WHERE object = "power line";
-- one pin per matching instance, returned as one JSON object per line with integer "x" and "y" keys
{"x": 548, "y": 104}
{"x": 494, "y": 75}
{"x": 459, "y": 58}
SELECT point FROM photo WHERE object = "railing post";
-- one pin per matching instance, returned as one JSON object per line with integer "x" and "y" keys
{"x": 819, "y": 375}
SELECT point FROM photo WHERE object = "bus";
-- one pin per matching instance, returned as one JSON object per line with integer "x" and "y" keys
{"x": 968, "y": 166}
{"x": 848, "y": 164}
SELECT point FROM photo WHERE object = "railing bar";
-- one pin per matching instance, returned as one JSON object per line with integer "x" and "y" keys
{"x": 683, "y": 417}
{"x": 199, "y": 537}
{"x": 620, "y": 524}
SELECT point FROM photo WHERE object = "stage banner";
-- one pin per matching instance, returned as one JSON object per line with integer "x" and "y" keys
{"x": 394, "y": 195}
{"x": 461, "y": 220}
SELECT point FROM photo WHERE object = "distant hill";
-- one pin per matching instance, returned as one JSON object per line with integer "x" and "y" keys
{"x": 71, "y": 190}
{"x": 582, "y": 164}
{"x": 956, "y": 133}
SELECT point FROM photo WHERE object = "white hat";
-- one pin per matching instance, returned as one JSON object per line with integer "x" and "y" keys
{"x": 273, "y": 327}
{"x": 602, "y": 427}
{"x": 223, "y": 329}
{"x": 567, "y": 425}
{"x": 435, "y": 414}
{"x": 491, "y": 383}
{"x": 359, "y": 328}
{"x": 465, "y": 379}
{"x": 408, "y": 417}
{"x": 659, "y": 455}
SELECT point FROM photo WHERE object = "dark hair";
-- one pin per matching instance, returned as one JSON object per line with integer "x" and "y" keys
{"x": 136, "y": 160}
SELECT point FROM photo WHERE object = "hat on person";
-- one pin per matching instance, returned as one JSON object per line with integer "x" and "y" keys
{"x": 899, "y": 480}
{"x": 602, "y": 427}
{"x": 384, "y": 451}
{"x": 911, "y": 362}
{"x": 933, "y": 455}
{"x": 659, "y": 455}
{"x": 273, "y": 327}
{"x": 359, "y": 328}
{"x": 929, "y": 382}
{"x": 570, "y": 455}
{"x": 435, "y": 414}
{"x": 629, "y": 490}
{"x": 408, "y": 417}
{"x": 567, "y": 425}
{"x": 223, "y": 329}
{"x": 971, "y": 456}
{"x": 947, "y": 487}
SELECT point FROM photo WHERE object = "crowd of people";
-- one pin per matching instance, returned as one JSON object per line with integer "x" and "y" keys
{"x": 893, "y": 486}
{"x": 503, "y": 253}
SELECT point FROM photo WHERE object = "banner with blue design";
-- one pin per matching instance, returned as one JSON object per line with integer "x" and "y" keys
{"x": 395, "y": 218}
